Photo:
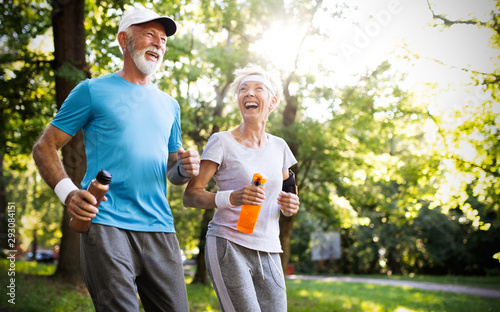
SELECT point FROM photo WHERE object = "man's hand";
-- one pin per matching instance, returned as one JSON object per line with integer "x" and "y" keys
{"x": 80, "y": 205}
{"x": 188, "y": 162}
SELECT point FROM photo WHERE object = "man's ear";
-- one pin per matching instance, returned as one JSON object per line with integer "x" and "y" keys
{"x": 123, "y": 40}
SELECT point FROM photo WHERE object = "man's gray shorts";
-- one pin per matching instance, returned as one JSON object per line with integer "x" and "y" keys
{"x": 117, "y": 264}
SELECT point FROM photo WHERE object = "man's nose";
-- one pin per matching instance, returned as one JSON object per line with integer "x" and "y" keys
{"x": 157, "y": 42}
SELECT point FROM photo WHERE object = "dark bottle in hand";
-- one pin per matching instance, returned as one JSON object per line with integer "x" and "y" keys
{"x": 98, "y": 187}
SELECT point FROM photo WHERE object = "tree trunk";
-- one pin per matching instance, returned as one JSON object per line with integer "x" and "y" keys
{"x": 74, "y": 161}
{"x": 201, "y": 276}
{"x": 286, "y": 223}
{"x": 69, "y": 49}
{"x": 392, "y": 261}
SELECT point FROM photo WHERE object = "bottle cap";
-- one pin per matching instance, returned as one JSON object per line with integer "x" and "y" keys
{"x": 259, "y": 179}
{"x": 103, "y": 177}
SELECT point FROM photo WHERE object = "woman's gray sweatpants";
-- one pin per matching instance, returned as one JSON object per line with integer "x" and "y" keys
{"x": 245, "y": 280}
{"x": 117, "y": 264}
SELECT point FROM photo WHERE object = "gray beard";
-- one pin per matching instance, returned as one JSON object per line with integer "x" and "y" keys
{"x": 138, "y": 56}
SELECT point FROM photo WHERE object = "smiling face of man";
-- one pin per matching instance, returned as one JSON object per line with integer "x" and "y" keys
{"x": 146, "y": 44}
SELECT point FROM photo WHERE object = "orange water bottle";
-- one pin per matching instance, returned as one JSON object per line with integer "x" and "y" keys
{"x": 250, "y": 213}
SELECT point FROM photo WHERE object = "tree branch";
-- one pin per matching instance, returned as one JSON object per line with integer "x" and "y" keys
{"x": 483, "y": 168}
{"x": 456, "y": 157}
{"x": 492, "y": 78}
{"x": 448, "y": 22}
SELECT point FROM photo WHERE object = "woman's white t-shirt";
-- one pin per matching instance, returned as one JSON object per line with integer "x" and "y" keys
{"x": 237, "y": 164}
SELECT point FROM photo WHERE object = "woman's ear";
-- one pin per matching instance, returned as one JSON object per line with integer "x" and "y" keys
{"x": 274, "y": 102}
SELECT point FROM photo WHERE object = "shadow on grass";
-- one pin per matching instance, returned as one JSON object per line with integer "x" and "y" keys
{"x": 321, "y": 296}
{"x": 36, "y": 290}
{"x": 37, "y": 293}
{"x": 45, "y": 293}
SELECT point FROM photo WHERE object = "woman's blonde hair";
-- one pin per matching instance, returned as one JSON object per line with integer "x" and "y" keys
{"x": 252, "y": 69}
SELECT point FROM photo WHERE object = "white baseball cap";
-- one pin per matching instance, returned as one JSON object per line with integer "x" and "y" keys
{"x": 142, "y": 15}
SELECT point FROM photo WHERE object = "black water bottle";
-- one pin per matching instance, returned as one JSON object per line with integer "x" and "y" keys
{"x": 98, "y": 187}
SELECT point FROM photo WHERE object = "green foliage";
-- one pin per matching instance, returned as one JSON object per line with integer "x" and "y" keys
{"x": 38, "y": 210}
{"x": 375, "y": 156}
{"x": 25, "y": 98}
{"x": 187, "y": 220}
{"x": 21, "y": 22}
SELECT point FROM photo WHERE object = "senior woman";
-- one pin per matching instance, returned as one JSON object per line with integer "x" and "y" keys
{"x": 246, "y": 268}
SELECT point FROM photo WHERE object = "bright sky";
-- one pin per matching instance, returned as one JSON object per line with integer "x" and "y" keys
{"x": 385, "y": 24}
{"x": 377, "y": 30}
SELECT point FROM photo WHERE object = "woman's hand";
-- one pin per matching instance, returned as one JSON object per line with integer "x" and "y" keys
{"x": 249, "y": 195}
{"x": 289, "y": 203}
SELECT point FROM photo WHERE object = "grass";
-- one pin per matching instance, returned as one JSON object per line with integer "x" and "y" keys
{"x": 320, "y": 296}
{"x": 36, "y": 291}
{"x": 492, "y": 282}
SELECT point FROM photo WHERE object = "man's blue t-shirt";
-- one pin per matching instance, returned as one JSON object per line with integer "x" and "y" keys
{"x": 129, "y": 130}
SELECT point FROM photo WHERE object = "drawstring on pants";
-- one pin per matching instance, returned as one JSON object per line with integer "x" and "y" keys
{"x": 262, "y": 268}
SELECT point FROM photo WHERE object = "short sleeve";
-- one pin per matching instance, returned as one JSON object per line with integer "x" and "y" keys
{"x": 288, "y": 157}
{"x": 75, "y": 112}
{"x": 213, "y": 150}
{"x": 175, "y": 139}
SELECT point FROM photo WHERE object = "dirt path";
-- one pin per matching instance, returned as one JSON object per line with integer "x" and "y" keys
{"x": 475, "y": 291}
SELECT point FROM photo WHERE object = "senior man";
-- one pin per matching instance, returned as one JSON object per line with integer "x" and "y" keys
{"x": 132, "y": 130}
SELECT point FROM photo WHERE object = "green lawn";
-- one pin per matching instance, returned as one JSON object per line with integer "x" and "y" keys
{"x": 35, "y": 291}
{"x": 320, "y": 296}
{"x": 492, "y": 282}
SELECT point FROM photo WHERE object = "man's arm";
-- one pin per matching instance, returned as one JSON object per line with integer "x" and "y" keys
{"x": 45, "y": 154}
{"x": 182, "y": 166}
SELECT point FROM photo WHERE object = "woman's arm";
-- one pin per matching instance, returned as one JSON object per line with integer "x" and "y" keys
{"x": 195, "y": 194}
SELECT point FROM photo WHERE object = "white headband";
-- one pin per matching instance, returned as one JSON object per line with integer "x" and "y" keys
{"x": 258, "y": 78}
